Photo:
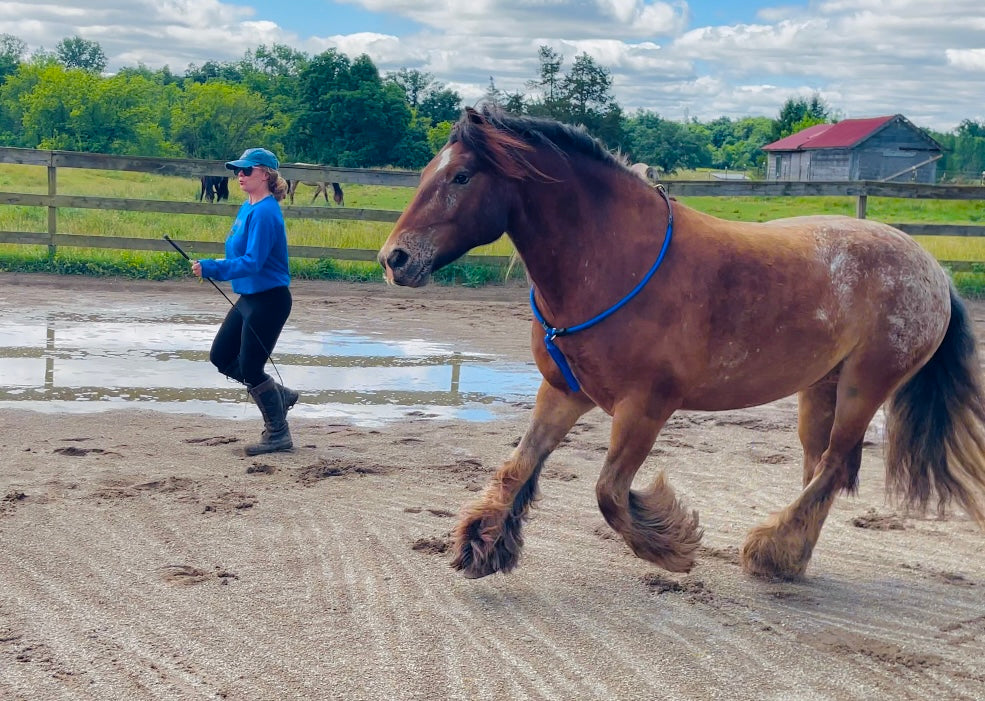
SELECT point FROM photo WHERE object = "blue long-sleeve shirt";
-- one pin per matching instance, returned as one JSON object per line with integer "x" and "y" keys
{"x": 256, "y": 250}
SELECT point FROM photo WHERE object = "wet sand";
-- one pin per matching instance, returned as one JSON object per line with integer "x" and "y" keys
{"x": 142, "y": 556}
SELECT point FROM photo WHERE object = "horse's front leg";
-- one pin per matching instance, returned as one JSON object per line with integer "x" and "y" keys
{"x": 652, "y": 521}
{"x": 488, "y": 537}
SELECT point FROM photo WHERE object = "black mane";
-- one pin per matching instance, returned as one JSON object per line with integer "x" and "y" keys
{"x": 532, "y": 131}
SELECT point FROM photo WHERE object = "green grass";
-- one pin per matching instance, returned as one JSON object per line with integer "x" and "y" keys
{"x": 370, "y": 235}
{"x": 328, "y": 233}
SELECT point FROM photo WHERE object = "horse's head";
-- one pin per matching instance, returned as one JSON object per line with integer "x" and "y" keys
{"x": 464, "y": 199}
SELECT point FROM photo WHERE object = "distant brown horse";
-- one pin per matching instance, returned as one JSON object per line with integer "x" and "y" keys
{"x": 321, "y": 188}
{"x": 647, "y": 306}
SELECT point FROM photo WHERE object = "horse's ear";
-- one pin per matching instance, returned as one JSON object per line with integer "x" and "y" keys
{"x": 474, "y": 116}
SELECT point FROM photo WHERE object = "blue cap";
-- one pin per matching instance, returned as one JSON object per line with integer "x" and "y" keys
{"x": 255, "y": 157}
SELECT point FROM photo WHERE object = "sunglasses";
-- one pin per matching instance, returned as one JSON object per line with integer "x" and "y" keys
{"x": 247, "y": 171}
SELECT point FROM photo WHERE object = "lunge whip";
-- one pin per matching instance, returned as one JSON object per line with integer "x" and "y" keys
{"x": 232, "y": 304}
{"x": 185, "y": 256}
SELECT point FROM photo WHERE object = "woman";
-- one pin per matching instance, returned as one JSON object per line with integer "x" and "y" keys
{"x": 256, "y": 263}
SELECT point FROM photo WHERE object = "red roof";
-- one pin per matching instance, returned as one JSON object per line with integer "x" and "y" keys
{"x": 844, "y": 134}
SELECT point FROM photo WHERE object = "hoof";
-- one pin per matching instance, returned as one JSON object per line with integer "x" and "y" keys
{"x": 470, "y": 574}
{"x": 484, "y": 548}
{"x": 767, "y": 554}
{"x": 473, "y": 560}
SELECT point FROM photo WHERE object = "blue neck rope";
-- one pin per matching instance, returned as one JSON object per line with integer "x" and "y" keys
{"x": 553, "y": 332}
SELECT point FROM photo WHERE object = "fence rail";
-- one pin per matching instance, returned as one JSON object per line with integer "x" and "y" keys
{"x": 185, "y": 167}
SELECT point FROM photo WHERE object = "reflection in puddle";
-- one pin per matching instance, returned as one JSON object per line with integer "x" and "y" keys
{"x": 126, "y": 359}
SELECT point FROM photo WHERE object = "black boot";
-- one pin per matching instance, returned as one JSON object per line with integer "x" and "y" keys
{"x": 288, "y": 395}
{"x": 276, "y": 435}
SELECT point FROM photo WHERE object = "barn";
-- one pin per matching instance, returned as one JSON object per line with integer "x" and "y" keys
{"x": 889, "y": 149}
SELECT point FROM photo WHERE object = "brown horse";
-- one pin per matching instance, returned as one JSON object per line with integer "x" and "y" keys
{"x": 649, "y": 307}
{"x": 321, "y": 188}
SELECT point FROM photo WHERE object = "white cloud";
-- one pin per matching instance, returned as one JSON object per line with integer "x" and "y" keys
{"x": 865, "y": 57}
{"x": 526, "y": 18}
{"x": 968, "y": 59}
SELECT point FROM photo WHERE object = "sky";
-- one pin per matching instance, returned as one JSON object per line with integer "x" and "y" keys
{"x": 682, "y": 60}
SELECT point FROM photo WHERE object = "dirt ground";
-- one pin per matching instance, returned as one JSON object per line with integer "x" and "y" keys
{"x": 142, "y": 556}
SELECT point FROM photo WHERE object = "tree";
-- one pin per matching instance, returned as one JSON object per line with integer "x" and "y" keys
{"x": 278, "y": 60}
{"x": 12, "y": 50}
{"x": 413, "y": 150}
{"x": 586, "y": 88}
{"x": 515, "y": 102}
{"x": 76, "y": 52}
{"x": 735, "y": 144}
{"x": 438, "y": 135}
{"x": 963, "y": 152}
{"x": 350, "y": 117}
{"x": 550, "y": 76}
{"x": 427, "y": 96}
{"x": 13, "y": 130}
{"x": 586, "y": 98}
{"x": 800, "y": 113}
{"x": 493, "y": 95}
{"x": 214, "y": 120}
{"x": 441, "y": 105}
{"x": 414, "y": 83}
{"x": 663, "y": 143}
{"x": 163, "y": 76}
{"x": 79, "y": 110}
{"x": 214, "y": 70}
{"x": 970, "y": 128}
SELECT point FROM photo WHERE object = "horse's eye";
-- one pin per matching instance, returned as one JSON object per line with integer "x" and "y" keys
{"x": 461, "y": 178}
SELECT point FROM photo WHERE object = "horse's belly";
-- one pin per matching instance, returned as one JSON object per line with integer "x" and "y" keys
{"x": 745, "y": 390}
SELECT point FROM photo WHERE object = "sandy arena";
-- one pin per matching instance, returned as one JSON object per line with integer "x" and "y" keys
{"x": 142, "y": 556}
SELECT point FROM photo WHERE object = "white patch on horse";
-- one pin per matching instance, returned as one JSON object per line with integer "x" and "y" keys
{"x": 922, "y": 324}
{"x": 445, "y": 159}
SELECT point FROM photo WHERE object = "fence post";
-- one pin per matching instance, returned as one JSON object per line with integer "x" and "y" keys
{"x": 52, "y": 210}
{"x": 860, "y": 204}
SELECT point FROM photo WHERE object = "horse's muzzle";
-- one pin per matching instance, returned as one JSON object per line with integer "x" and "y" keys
{"x": 402, "y": 267}
{"x": 395, "y": 259}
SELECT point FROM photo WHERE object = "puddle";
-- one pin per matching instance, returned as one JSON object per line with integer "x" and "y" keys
{"x": 145, "y": 359}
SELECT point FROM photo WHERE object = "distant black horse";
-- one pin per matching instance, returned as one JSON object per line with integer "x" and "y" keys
{"x": 215, "y": 188}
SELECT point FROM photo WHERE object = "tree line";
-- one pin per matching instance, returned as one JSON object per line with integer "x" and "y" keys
{"x": 335, "y": 110}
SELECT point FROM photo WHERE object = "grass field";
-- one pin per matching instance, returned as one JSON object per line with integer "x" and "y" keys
{"x": 370, "y": 235}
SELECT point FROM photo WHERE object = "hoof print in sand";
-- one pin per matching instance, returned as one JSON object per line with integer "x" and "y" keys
{"x": 431, "y": 546}
{"x": 879, "y": 522}
{"x": 186, "y": 575}
{"x": 73, "y": 452}
{"x": 230, "y": 502}
{"x": 259, "y": 468}
{"x": 335, "y": 467}
{"x": 212, "y": 440}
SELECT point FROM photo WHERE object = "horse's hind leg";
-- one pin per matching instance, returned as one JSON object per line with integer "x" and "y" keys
{"x": 782, "y": 546}
{"x": 653, "y": 522}
{"x": 488, "y": 537}
{"x": 815, "y": 417}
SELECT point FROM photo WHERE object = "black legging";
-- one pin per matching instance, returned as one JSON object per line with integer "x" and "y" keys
{"x": 248, "y": 335}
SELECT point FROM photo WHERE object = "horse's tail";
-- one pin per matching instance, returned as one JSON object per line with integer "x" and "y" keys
{"x": 935, "y": 427}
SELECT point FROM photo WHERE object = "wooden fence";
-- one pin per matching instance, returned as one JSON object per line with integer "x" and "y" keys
{"x": 183, "y": 167}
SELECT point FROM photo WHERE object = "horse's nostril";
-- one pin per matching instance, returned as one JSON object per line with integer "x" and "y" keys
{"x": 397, "y": 259}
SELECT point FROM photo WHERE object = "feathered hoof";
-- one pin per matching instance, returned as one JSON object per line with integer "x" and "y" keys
{"x": 773, "y": 553}
{"x": 485, "y": 549}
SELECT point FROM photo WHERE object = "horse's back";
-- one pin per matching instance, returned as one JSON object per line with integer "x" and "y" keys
{"x": 792, "y": 299}
{"x": 868, "y": 250}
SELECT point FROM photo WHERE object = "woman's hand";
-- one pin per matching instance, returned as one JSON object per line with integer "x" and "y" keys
{"x": 197, "y": 268}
